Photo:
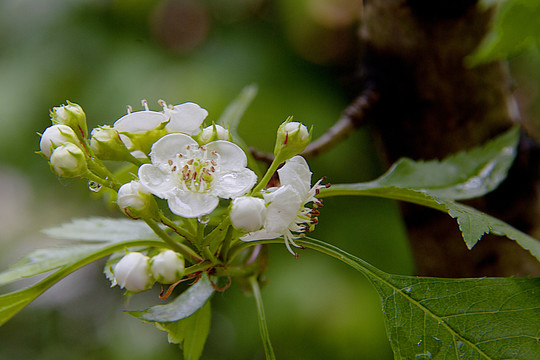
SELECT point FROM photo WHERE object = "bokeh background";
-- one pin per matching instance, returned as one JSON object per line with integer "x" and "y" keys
{"x": 106, "y": 54}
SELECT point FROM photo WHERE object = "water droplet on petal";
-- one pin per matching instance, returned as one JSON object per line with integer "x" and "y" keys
{"x": 94, "y": 186}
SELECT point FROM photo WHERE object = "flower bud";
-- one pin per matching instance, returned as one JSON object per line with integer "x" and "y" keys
{"x": 107, "y": 145}
{"x": 212, "y": 133}
{"x": 55, "y": 136}
{"x": 68, "y": 161}
{"x": 135, "y": 201}
{"x": 132, "y": 272}
{"x": 248, "y": 213}
{"x": 71, "y": 115}
{"x": 167, "y": 267}
{"x": 292, "y": 138}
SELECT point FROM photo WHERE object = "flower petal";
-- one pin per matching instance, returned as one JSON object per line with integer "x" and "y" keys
{"x": 191, "y": 204}
{"x": 169, "y": 146}
{"x": 284, "y": 205}
{"x": 186, "y": 118}
{"x": 156, "y": 182}
{"x": 140, "y": 121}
{"x": 260, "y": 235}
{"x": 231, "y": 155}
{"x": 296, "y": 173}
{"x": 230, "y": 184}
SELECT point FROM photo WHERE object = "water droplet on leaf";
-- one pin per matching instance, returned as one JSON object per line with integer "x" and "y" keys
{"x": 94, "y": 186}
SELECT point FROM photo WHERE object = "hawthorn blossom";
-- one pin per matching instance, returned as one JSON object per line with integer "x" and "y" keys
{"x": 192, "y": 178}
{"x": 286, "y": 213}
{"x": 139, "y": 129}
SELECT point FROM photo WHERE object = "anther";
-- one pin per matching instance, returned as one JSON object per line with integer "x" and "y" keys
{"x": 202, "y": 148}
{"x": 188, "y": 147}
{"x": 162, "y": 103}
{"x": 129, "y": 109}
{"x": 180, "y": 156}
{"x": 170, "y": 162}
{"x": 190, "y": 161}
{"x": 145, "y": 104}
{"x": 173, "y": 168}
{"x": 213, "y": 162}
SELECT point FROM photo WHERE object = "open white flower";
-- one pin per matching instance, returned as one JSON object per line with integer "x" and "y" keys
{"x": 192, "y": 178}
{"x": 286, "y": 212}
{"x": 139, "y": 129}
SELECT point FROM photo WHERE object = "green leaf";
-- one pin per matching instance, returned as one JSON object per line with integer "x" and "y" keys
{"x": 432, "y": 318}
{"x": 102, "y": 229}
{"x": 183, "y": 306}
{"x": 190, "y": 333}
{"x": 465, "y": 175}
{"x": 230, "y": 118}
{"x": 65, "y": 261}
{"x": 516, "y": 27}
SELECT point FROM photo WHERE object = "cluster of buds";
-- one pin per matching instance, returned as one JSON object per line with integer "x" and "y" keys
{"x": 63, "y": 143}
{"x": 137, "y": 272}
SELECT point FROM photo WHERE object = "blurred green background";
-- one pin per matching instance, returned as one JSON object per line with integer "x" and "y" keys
{"x": 106, "y": 54}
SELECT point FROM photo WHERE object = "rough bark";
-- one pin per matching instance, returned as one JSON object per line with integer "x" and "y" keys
{"x": 431, "y": 105}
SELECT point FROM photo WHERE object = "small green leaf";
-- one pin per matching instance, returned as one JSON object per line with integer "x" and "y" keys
{"x": 65, "y": 261}
{"x": 102, "y": 229}
{"x": 190, "y": 333}
{"x": 183, "y": 306}
{"x": 465, "y": 175}
{"x": 43, "y": 260}
{"x": 516, "y": 27}
{"x": 453, "y": 319}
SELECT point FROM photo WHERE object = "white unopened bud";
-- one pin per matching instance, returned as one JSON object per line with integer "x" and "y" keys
{"x": 68, "y": 161}
{"x": 55, "y": 136}
{"x": 132, "y": 272}
{"x": 134, "y": 200}
{"x": 167, "y": 267}
{"x": 71, "y": 115}
{"x": 213, "y": 132}
{"x": 292, "y": 138}
{"x": 248, "y": 213}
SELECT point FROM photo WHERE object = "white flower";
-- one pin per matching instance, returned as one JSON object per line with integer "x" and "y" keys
{"x": 248, "y": 213}
{"x": 55, "y": 136}
{"x": 139, "y": 129}
{"x": 132, "y": 272}
{"x": 186, "y": 118}
{"x": 167, "y": 267}
{"x": 286, "y": 212}
{"x": 192, "y": 178}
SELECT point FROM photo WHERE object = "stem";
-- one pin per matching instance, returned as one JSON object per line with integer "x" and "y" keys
{"x": 177, "y": 229}
{"x": 267, "y": 176}
{"x": 265, "y": 335}
{"x": 226, "y": 244}
{"x": 104, "y": 182}
{"x": 176, "y": 246}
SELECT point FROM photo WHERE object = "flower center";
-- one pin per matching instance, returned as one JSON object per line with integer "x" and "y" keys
{"x": 195, "y": 168}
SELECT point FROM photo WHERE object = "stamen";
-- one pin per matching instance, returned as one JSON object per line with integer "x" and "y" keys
{"x": 145, "y": 104}
{"x": 129, "y": 109}
{"x": 173, "y": 168}
{"x": 169, "y": 162}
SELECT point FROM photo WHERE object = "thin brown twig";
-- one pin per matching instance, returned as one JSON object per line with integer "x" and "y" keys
{"x": 352, "y": 118}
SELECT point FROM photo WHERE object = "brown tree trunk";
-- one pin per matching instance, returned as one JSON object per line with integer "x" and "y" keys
{"x": 431, "y": 105}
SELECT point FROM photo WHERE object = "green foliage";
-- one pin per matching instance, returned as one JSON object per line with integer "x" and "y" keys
{"x": 435, "y": 184}
{"x": 431, "y": 318}
{"x": 190, "y": 333}
{"x": 182, "y": 307}
{"x": 516, "y": 27}
{"x": 465, "y": 175}
{"x": 67, "y": 259}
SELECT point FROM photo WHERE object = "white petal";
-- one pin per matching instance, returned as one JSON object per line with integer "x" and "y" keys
{"x": 186, "y": 118}
{"x": 156, "y": 182}
{"x": 283, "y": 208}
{"x": 296, "y": 173}
{"x": 140, "y": 121}
{"x": 230, "y": 184}
{"x": 260, "y": 235}
{"x": 190, "y": 204}
{"x": 231, "y": 155}
{"x": 169, "y": 146}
